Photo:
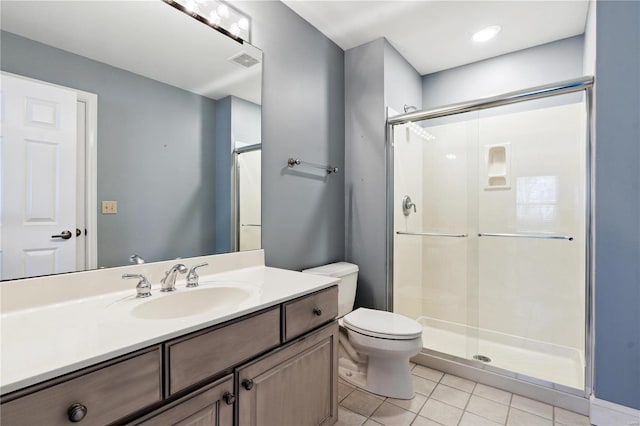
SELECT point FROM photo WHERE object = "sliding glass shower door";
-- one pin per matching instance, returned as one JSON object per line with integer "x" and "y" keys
{"x": 490, "y": 236}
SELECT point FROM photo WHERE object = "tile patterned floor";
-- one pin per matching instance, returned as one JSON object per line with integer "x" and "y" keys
{"x": 446, "y": 400}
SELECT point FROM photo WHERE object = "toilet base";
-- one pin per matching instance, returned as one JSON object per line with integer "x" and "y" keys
{"x": 389, "y": 377}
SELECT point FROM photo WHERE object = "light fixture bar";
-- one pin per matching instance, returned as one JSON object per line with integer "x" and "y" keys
{"x": 218, "y": 15}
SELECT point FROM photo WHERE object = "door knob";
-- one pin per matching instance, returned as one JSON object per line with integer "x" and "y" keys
{"x": 65, "y": 235}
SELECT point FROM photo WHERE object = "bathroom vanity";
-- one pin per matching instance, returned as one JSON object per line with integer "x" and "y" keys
{"x": 270, "y": 359}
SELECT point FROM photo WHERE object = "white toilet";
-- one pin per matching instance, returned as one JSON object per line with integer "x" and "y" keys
{"x": 375, "y": 346}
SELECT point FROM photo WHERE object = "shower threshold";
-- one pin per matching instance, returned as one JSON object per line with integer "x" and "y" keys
{"x": 553, "y": 363}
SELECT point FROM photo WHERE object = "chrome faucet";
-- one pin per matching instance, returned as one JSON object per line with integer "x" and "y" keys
{"x": 143, "y": 289}
{"x": 169, "y": 280}
{"x": 192, "y": 276}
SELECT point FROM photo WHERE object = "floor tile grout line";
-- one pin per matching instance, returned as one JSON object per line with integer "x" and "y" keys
{"x": 464, "y": 410}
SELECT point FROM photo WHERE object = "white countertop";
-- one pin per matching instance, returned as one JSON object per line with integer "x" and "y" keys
{"x": 47, "y": 341}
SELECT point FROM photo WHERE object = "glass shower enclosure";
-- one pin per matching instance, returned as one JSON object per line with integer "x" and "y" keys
{"x": 489, "y": 231}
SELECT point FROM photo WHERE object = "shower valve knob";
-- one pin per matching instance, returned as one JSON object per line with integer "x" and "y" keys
{"x": 407, "y": 205}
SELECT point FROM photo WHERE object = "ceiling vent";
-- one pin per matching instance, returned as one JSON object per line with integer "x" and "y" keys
{"x": 244, "y": 60}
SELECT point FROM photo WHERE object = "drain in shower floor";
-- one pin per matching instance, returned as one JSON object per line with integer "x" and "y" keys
{"x": 482, "y": 358}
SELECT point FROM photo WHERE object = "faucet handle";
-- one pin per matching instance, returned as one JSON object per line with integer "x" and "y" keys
{"x": 192, "y": 277}
{"x": 143, "y": 289}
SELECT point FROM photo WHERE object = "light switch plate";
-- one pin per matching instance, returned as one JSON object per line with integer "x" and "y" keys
{"x": 109, "y": 207}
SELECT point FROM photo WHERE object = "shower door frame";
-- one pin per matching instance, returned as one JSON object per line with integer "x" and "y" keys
{"x": 585, "y": 84}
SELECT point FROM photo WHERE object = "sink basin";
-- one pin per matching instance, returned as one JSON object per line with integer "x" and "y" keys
{"x": 188, "y": 302}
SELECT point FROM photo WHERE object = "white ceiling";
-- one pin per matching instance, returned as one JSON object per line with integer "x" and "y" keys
{"x": 149, "y": 38}
{"x": 436, "y": 35}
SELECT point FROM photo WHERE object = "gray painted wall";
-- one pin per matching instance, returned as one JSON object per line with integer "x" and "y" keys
{"x": 302, "y": 116}
{"x": 617, "y": 301}
{"x": 155, "y": 154}
{"x": 236, "y": 120}
{"x": 548, "y": 63}
{"x": 376, "y": 76}
{"x": 402, "y": 83}
{"x": 223, "y": 151}
{"x": 365, "y": 213}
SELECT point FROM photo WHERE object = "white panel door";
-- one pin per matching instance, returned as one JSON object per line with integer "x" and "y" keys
{"x": 38, "y": 134}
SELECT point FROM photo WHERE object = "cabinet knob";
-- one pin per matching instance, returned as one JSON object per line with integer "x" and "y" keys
{"x": 229, "y": 398}
{"x": 247, "y": 384}
{"x": 76, "y": 412}
{"x": 317, "y": 311}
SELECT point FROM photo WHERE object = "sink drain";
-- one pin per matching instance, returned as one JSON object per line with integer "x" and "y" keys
{"x": 482, "y": 358}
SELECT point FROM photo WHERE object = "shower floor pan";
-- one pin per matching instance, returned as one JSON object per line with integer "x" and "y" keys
{"x": 539, "y": 360}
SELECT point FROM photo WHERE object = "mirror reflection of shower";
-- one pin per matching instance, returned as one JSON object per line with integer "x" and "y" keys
{"x": 248, "y": 224}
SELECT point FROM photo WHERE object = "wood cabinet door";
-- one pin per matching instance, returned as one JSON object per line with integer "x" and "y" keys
{"x": 209, "y": 406}
{"x": 292, "y": 386}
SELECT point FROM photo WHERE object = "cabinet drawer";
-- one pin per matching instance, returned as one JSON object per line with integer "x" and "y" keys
{"x": 309, "y": 312}
{"x": 210, "y": 406}
{"x": 199, "y": 357}
{"x": 108, "y": 394}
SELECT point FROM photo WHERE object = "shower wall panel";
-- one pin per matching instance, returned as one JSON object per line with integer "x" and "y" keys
{"x": 535, "y": 288}
{"x": 449, "y": 180}
{"x": 409, "y": 180}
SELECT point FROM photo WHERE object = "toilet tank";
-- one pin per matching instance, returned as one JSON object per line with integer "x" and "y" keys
{"x": 348, "y": 274}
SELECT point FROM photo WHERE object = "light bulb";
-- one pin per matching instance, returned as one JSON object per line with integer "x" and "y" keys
{"x": 213, "y": 17}
{"x": 191, "y": 6}
{"x": 243, "y": 23}
{"x": 223, "y": 10}
{"x": 235, "y": 29}
{"x": 486, "y": 34}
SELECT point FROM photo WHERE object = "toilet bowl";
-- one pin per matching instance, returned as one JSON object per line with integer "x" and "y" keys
{"x": 374, "y": 346}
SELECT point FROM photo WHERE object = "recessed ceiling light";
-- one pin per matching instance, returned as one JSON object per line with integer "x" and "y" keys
{"x": 486, "y": 34}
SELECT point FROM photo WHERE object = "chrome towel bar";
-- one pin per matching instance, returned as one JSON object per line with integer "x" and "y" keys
{"x": 292, "y": 162}
{"x": 432, "y": 234}
{"x": 486, "y": 234}
{"x": 544, "y": 237}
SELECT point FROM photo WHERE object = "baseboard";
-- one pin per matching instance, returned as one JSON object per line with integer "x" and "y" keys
{"x": 605, "y": 413}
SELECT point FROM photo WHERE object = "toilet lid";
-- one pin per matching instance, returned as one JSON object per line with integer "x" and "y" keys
{"x": 386, "y": 325}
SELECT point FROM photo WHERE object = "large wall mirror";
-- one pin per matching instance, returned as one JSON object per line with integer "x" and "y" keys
{"x": 128, "y": 127}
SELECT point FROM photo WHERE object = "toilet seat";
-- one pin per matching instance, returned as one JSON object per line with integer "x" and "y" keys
{"x": 382, "y": 324}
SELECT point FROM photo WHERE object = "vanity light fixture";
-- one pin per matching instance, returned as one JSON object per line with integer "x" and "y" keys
{"x": 486, "y": 34}
{"x": 218, "y": 15}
